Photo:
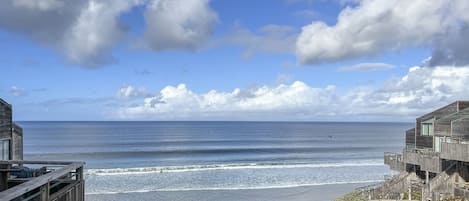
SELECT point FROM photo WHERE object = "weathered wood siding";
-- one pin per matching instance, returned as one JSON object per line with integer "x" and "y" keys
{"x": 442, "y": 128}
{"x": 429, "y": 163}
{"x": 460, "y": 129}
{"x": 395, "y": 161}
{"x": 455, "y": 151}
{"x": 463, "y": 104}
{"x": 5, "y": 120}
{"x": 447, "y": 110}
{"x": 410, "y": 136}
{"x": 17, "y": 142}
{"x": 423, "y": 142}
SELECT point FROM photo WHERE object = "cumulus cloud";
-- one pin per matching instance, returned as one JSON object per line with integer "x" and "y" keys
{"x": 420, "y": 90}
{"x": 178, "y": 24}
{"x": 366, "y": 67}
{"x": 415, "y": 93}
{"x": 96, "y": 29}
{"x": 451, "y": 50}
{"x": 83, "y": 30}
{"x": 270, "y": 38}
{"x": 373, "y": 27}
{"x": 129, "y": 91}
{"x": 179, "y": 102}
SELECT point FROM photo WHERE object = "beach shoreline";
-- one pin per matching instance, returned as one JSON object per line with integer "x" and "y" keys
{"x": 304, "y": 193}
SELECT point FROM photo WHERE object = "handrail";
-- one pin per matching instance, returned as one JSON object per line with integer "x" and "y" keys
{"x": 11, "y": 162}
{"x": 37, "y": 182}
{"x": 434, "y": 183}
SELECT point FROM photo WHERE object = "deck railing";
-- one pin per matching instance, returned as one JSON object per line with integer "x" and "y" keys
{"x": 56, "y": 181}
{"x": 427, "y": 159}
{"x": 455, "y": 150}
{"x": 395, "y": 161}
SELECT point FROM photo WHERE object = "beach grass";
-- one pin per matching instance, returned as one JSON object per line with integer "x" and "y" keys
{"x": 352, "y": 196}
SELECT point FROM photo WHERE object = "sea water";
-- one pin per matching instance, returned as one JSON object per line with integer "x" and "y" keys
{"x": 143, "y": 157}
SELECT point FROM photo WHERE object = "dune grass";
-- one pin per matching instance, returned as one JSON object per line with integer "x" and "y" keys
{"x": 352, "y": 196}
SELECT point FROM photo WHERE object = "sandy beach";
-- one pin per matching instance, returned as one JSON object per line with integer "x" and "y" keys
{"x": 309, "y": 193}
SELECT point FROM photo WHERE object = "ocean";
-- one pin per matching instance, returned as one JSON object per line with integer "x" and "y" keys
{"x": 199, "y": 160}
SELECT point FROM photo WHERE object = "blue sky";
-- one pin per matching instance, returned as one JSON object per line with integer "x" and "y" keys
{"x": 231, "y": 60}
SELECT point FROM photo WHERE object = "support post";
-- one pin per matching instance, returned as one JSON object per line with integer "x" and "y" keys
{"x": 4, "y": 176}
{"x": 427, "y": 178}
{"x": 45, "y": 192}
{"x": 410, "y": 193}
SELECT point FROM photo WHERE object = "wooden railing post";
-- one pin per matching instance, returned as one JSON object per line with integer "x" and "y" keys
{"x": 45, "y": 192}
{"x": 4, "y": 176}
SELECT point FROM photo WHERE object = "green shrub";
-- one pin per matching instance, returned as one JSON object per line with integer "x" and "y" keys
{"x": 352, "y": 196}
{"x": 415, "y": 195}
{"x": 454, "y": 199}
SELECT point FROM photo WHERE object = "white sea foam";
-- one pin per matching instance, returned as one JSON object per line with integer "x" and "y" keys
{"x": 234, "y": 188}
{"x": 234, "y": 166}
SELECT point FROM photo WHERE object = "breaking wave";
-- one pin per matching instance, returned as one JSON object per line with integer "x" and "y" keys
{"x": 192, "y": 168}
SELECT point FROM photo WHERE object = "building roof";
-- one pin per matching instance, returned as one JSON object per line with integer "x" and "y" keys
{"x": 449, "y": 109}
{"x": 464, "y": 113}
{"x": 3, "y": 102}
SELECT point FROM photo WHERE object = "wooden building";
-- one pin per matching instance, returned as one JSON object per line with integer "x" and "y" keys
{"x": 11, "y": 135}
{"x": 437, "y": 150}
{"x": 33, "y": 180}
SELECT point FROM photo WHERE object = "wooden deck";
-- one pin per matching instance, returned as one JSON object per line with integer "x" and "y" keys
{"x": 455, "y": 151}
{"x": 395, "y": 161}
{"x": 427, "y": 160}
{"x": 62, "y": 181}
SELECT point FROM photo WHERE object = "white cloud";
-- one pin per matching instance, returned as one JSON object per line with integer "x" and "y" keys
{"x": 182, "y": 103}
{"x": 96, "y": 30}
{"x": 421, "y": 90}
{"x": 129, "y": 91}
{"x": 17, "y": 91}
{"x": 178, "y": 24}
{"x": 366, "y": 67}
{"x": 84, "y": 31}
{"x": 373, "y": 27}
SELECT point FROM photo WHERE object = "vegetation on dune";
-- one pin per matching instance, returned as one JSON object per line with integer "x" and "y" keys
{"x": 416, "y": 195}
{"x": 454, "y": 199}
{"x": 352, "y": 196}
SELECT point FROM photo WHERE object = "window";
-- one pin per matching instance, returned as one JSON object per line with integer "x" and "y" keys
{"x": 427, "y": 128}
{"x": 4, "y": 149}
{"x": 410, "y": 147}
{"x": 437, "y": 143}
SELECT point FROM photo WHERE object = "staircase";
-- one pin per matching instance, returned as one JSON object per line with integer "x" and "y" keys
{"x": 392, "y": 188}
{"x": 441, "y": 183}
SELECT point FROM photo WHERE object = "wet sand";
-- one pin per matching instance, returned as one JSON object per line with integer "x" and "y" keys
{"x": 308, "y": 193}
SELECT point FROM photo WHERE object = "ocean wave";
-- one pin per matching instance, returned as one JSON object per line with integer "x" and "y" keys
{"x": 191, "y": 168}
{"x": 205, "y": 151}
{"x": 234, "y": 188}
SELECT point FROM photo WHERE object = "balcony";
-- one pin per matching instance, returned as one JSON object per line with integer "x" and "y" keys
{"x": 44, "y": 181}
{"x": 457, "y": 151}
{"x": 395, "y": 161}
{"x": 425, "y": 158}
{"x": 410, "y": 136}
